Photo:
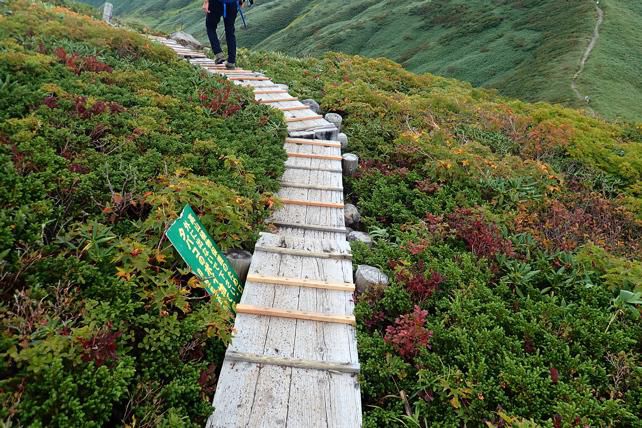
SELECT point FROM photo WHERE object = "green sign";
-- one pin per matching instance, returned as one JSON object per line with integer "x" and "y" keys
{"x": 203, "y": 256}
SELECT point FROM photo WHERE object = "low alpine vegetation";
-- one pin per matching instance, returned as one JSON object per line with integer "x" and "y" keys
{"x": 104, "y": 137}
{"x": 511, "y": 235}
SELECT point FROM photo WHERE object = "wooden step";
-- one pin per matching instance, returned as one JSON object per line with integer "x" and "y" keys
{"x": 306, "y": 283}
{"x": 278, "y": 100}
{"x": 298, "y": 363}
{"x": 303, "y": 119}
{"x": 270, "y": 91}
{"x": 311, "y": 186}
{"x": 233, "y": 72}
{"x": 310, "y": 168}
{"x": 309, "y": 142}
{"x": 315, "y": 227}
{"x": 314, "y": 156}
{"x": 299, "y": 315}
{"x": 312, "y": 203}
{"x": 294, "y": 108}
{"x": 248, "y": 78}
{"x": 303, "y": 253}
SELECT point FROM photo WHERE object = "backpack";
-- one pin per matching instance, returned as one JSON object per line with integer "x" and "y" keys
{"x": 238, "y": 3}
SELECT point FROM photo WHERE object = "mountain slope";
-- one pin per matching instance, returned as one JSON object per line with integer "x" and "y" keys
{"x": 528, "y": 50}
{"x": 507, "y": 230}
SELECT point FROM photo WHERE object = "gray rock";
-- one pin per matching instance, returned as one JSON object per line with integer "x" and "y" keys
{"x": 350, "y": 164}
{"x": 334, "y": 119}
{"x": 314, "y": 106}
{"x": 360, "y": 237}
{"x": 351, "y": 215}
{"x": 343, "y": 139}
{"x": 186, "y": 39}
{"x": 240, "y": 261}
{"x": 369, "y": 276}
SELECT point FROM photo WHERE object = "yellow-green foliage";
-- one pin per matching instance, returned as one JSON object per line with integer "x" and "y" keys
{"x": 104, "y": 137}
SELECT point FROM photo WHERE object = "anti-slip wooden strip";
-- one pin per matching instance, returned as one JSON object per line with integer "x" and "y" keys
{"x": 303, "y": 119}
{"x": 240, "y": 73}
{"x": 310, "y": 142}
{"x": 297, "y": 363}
{"x": 270, "y": 91}
{"x": 303, "y": 253}
{"x": 311, "y": 186}
{"x": 312, "y": 203}
{"x": 314, "y": 156}
{"x": 278, "y": 100}
{"x": 294, "y": 108}
{"x": 310, "y": 168}
{"x": 298, "y": 315}
{"x": 315, "y": 227}
{"x": 306, "y": 283}
{"x": 248, "y": 78}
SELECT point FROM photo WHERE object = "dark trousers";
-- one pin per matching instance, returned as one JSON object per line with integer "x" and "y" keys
{"x": 211, "y": 22}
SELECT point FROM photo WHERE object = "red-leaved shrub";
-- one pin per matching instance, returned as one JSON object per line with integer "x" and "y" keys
{"x": 220, "y": 101}
{"x": 409, "y": 335}
{"x": 482, "y": 238}
{"x": 579, "y": 218}
{"x": 79, "y": 64}
{"x": 421, "y": 287}
{"x": 101, "y": 347}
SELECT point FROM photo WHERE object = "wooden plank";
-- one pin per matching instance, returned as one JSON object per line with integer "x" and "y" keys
{"x": 278, "y": 100}
{"x": 313, "y": 150}
{"x": 303, "y": 119}
{"x": 309, "y": 168}
{"x": 249, "y": 78}
{"x": 270, "y": 91}
{"x": 325, "y": 143}
{"x": 311, "y": 186}
{"x": 340, "y": 367}
{"x": 299, "y": 315}
{"x": 314, "y": 156}
{"x": 303, "y": 253}
{"x": 298, "y": 282}
{"x": 312, "y": 203}
{"x": 319, "y": 228}
{"x": 294, "y": 108}
{"x": 234, "y": 73}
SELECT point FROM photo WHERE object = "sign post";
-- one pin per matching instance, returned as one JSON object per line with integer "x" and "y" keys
{"x": 203, "y": 256}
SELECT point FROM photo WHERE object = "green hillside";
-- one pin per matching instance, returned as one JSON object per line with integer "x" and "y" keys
{"x": 528, "y": 50}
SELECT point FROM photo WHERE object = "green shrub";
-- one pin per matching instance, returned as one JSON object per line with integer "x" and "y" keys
{"x": 511, "y": 226}
{"x": 103, "y": 139}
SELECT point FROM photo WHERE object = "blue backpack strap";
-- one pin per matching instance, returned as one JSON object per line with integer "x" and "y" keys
{"x": 240, "y": 9}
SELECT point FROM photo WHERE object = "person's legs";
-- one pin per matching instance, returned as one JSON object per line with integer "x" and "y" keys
{"x": 230, "y": 35}
{"x": 211, "y": 22}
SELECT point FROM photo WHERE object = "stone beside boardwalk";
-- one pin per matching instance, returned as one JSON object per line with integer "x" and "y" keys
{"x": 293, "y": 361}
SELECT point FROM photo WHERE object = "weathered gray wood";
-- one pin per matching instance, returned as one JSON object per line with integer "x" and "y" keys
{"x": 312, "y": 227}
{"x": 338, "y": 367}
{"x": 303, "y": 253}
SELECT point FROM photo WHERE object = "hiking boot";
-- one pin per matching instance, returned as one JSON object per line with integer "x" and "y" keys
{"x": 220, "y": 58}
{"x": 230, "y": 66}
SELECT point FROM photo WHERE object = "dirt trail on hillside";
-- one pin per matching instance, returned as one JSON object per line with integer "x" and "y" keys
{"x": 587, "y": 53}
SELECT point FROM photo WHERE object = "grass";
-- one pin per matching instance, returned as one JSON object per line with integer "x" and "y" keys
{"x": 525, "y": 50}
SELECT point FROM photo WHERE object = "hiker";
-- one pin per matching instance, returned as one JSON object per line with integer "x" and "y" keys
{"x": 226, "y": 9}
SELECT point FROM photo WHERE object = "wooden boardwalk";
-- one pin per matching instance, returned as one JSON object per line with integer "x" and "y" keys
{"x": 293, "y": 360}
